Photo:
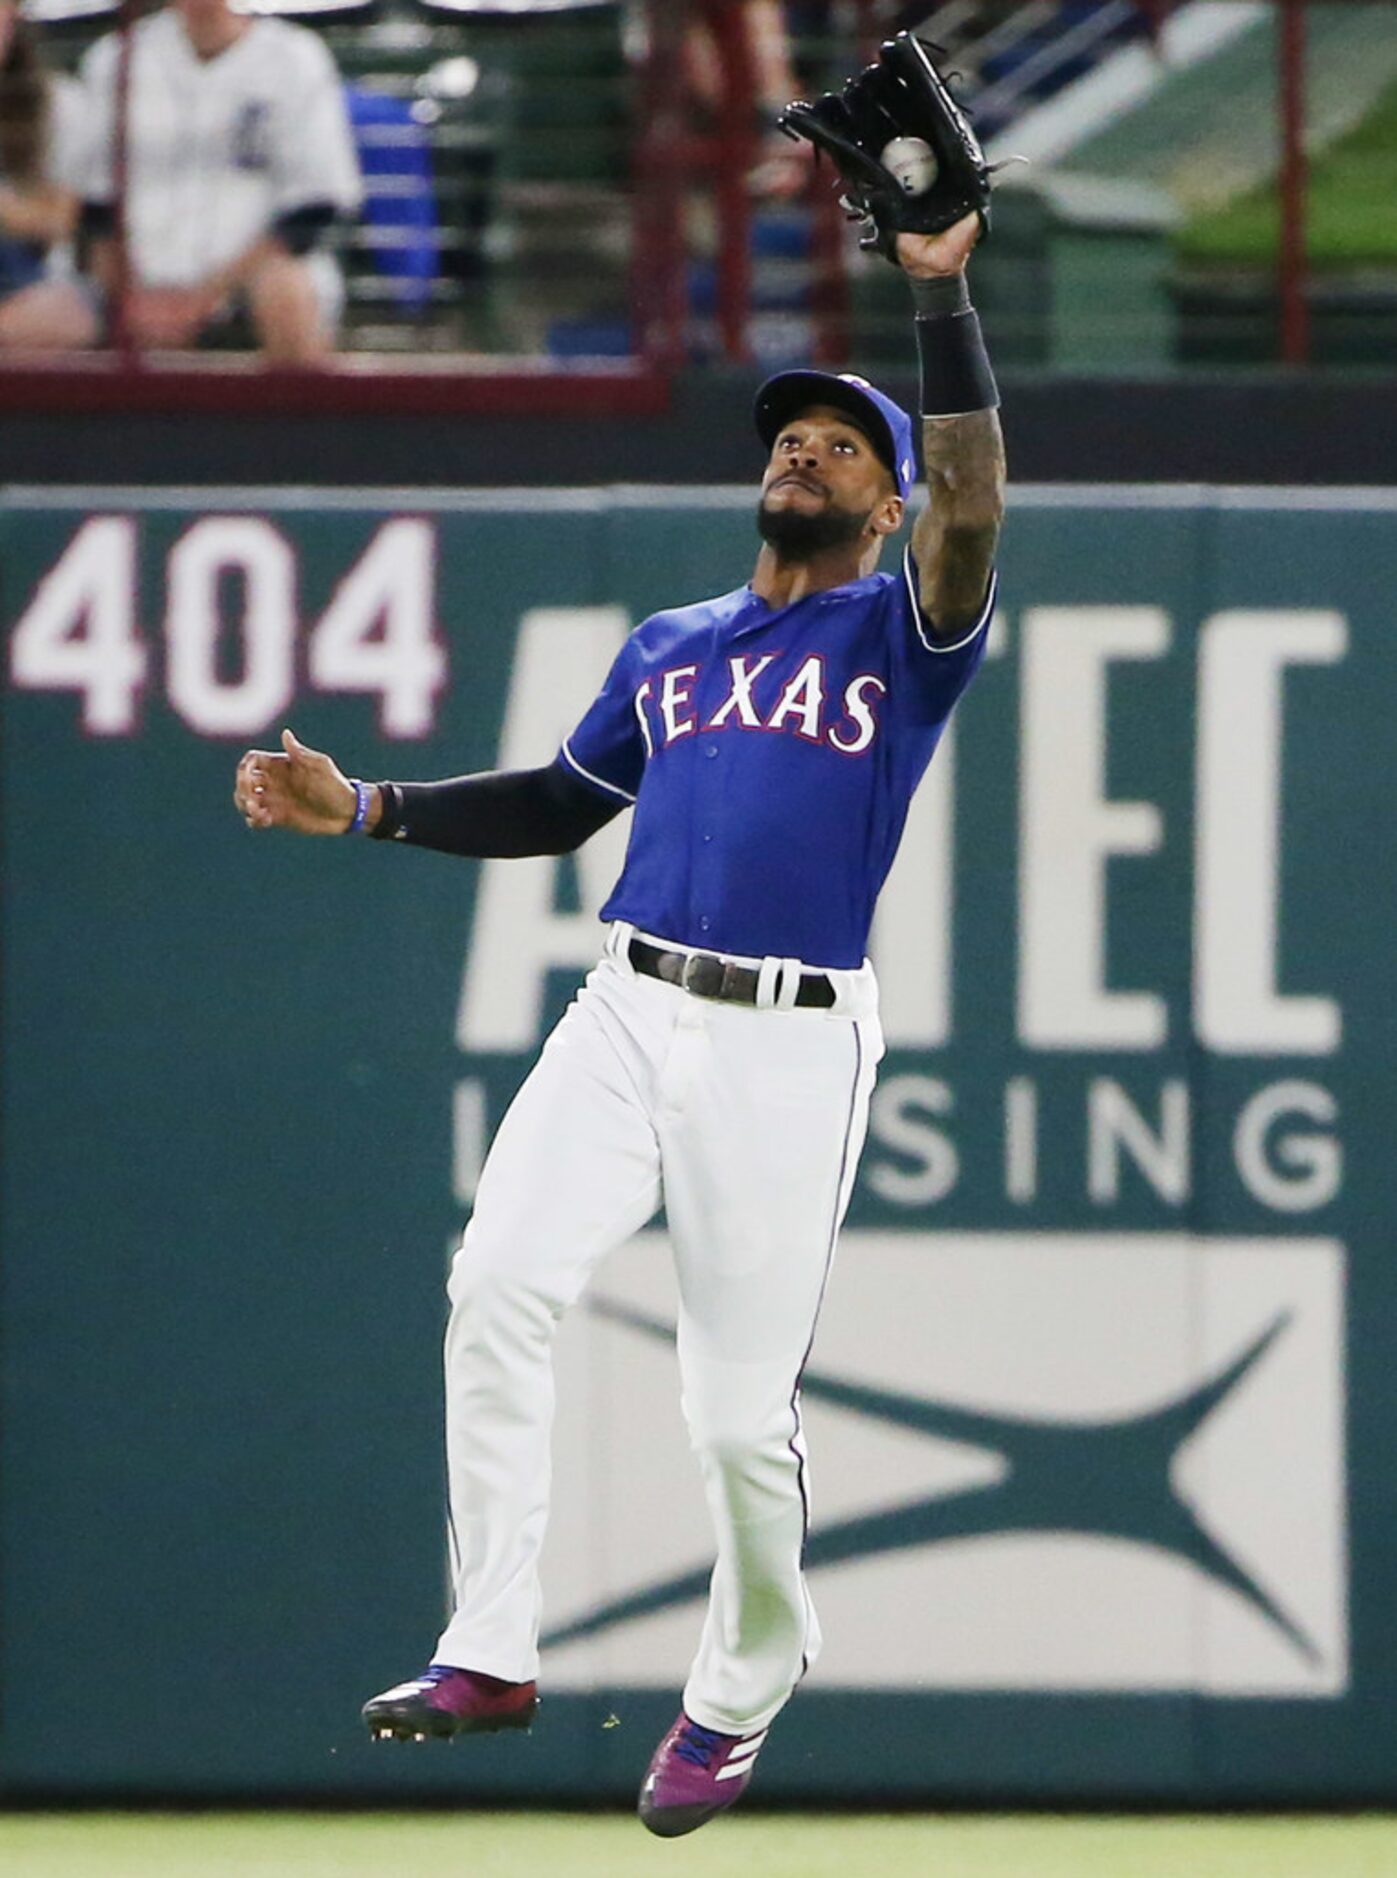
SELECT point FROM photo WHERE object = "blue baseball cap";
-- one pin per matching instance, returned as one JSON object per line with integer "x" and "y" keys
{"x": 887, "y": 425}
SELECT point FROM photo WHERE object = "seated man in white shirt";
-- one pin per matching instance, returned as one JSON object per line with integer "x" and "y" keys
{"x": 239, "y": 162}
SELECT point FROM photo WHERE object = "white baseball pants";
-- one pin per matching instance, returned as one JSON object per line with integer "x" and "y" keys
{"x": 748, "y": 1124}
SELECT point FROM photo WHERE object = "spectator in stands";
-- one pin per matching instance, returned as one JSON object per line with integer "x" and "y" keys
{"x": 41, "y": 158}
{"x": 239, "y": 163}
{"x": 781, "y": 167}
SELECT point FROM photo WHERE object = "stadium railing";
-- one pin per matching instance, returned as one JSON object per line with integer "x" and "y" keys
{"x": 555, "y": 210}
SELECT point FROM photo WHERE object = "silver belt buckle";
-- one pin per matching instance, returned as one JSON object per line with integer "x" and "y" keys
{"x": 703, "y": 975}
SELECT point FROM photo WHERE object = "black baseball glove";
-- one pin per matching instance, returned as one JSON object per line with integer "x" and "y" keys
{"x": 902, "y": 95}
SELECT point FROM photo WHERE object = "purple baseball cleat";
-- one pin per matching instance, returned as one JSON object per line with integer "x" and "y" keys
{"x": 696, "y": 1773}
{"x": 443, "y": 1702}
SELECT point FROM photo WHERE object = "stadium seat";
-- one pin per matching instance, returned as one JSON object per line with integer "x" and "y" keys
{"x": 399, "y": 215}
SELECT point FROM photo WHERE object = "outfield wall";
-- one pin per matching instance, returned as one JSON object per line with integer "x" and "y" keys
{"x": 374, "y": 431}
{"x": 1102, "y": 1405}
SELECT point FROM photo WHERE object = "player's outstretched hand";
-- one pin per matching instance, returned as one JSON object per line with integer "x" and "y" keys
{"x": 299, "y": 788}
{"x": 946, "y": 253}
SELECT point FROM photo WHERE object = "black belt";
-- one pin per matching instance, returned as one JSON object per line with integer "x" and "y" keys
{"x": 708, "y": 976}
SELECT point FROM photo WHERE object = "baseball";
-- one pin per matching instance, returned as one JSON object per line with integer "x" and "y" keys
{"x": 913, "y": 162}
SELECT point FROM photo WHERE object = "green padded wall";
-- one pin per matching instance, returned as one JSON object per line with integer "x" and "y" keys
{"x": 1102, "y": 1407}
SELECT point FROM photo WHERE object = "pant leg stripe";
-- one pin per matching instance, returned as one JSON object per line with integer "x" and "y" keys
{"x": 824, "y": 1281}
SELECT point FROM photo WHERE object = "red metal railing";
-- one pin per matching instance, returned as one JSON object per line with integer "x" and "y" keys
{"x": 679, "y": 157}
{"x": 1292, "y": 263}
{"x": 682, "y": 156}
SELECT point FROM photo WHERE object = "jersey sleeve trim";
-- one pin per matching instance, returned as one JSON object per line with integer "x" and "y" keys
{"x": 599, "y": 781}
{"x": 931, "y": 643}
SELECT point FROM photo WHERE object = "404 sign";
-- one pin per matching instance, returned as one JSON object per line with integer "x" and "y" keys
{"x": 233, "y": 645}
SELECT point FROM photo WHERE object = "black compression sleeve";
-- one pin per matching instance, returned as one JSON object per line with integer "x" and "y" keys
{"x": 498, "y": 814}
{"x": 956, "y": 373}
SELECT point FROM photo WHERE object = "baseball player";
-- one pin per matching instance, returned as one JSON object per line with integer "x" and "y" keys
{"x": 240, "y": 162}
{"x": 722, "y": 1053}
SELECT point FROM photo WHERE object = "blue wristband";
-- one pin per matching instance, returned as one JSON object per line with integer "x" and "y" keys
{"x": 363, "y": 796}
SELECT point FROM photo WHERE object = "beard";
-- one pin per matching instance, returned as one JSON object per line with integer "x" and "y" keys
{"x": 797, "y": 537}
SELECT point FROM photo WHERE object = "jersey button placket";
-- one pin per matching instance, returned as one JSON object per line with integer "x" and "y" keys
{"x": 705, "y": 873}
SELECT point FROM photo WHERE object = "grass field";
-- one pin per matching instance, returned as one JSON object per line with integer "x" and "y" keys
{"x": 1350, "y": 220}
{"x": 554, "y": 1845}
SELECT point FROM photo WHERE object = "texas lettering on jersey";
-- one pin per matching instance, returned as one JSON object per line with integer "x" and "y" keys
{"x": 731, "y": 725}
{"x": 799, "y": 705}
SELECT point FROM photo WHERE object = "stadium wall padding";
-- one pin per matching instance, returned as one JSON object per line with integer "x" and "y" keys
{"x": 1275, "y": 427}
{"x": 1103, "y": 1404}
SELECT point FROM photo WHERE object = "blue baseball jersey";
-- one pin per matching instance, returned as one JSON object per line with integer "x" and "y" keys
{"x": 771, "y": 754}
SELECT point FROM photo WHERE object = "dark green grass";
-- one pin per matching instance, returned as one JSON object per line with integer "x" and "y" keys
{"x": 1352, "y": 207}
{"x": 787, "y": 1845}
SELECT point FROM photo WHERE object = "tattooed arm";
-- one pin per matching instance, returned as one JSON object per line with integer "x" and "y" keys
{"x": 954, "y": 537}
{"x": 953, "y": 541}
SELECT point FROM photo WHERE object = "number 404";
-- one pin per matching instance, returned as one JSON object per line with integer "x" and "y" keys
{"x": 378, "y": 634}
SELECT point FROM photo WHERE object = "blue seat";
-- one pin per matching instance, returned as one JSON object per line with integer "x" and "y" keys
{"x": 21, "y": 264}
{"x": 399, "y": 216}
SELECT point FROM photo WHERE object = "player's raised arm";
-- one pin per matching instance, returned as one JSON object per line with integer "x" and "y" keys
{"x": 953, "y": 539}
{"x": 912, "y": 171}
